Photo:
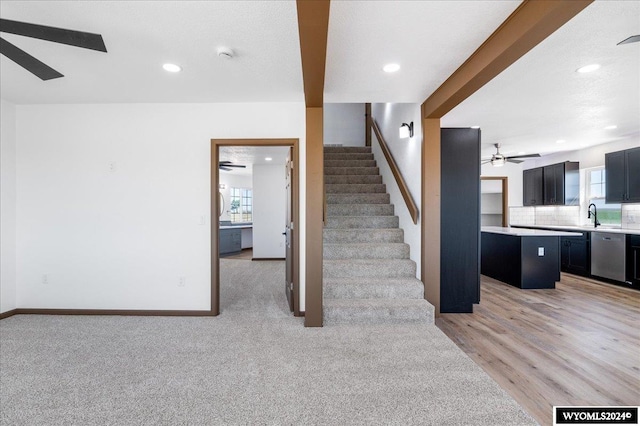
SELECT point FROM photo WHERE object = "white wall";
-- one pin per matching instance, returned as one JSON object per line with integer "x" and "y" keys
{"x": 588, "y": 158}
{"x": 344, "y": 124}
{"x": 110, "y": 199}
{"x": 513, "y": 172}
{"x": 7, "y": 206}
{"x": 408, "y": 156}
{"x": 269, "y": 211}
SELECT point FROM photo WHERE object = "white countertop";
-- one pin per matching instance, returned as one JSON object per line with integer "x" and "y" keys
{"x": 522, "y": 232}
{"x": 586, "y": 228}
{"x": 237, "y": 227}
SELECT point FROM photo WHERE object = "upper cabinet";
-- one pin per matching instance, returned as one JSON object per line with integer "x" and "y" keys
{"x": 554, "y": 185}
{"x": 623, "y": 176}
{"x": 532, "y": 187}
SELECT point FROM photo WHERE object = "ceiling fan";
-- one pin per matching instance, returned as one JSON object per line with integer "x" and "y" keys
{"x": 42, "y": 32}
{"x": 498, "y": 160}
{"x": 228, "y": 166}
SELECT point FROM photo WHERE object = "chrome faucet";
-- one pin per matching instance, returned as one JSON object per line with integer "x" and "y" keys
{"x": 595, "y": 215}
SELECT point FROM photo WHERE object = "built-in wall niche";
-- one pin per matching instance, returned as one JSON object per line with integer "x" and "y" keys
{"x": 494, "y": 201}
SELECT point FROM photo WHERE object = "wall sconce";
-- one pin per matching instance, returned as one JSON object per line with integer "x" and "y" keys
{"x": 222, "y": 186}
{"x": 406, "y": 130}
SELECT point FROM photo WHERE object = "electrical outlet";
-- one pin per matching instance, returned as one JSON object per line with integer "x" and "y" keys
{"x": 202, "y": 220}
{"x": 540, "y": 251}
{"x": 182, "y": 281}
{"x": 45, "y": 279}
{"x": 112, "y": 166}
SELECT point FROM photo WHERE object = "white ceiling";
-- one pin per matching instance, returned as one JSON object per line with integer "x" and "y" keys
{"x": 252, "y": 155}
{"x": 535, "y": 102}
{"x": 541, "y": 98}
{"x": 142, "y": 35}
{"x": 428, "y": 39}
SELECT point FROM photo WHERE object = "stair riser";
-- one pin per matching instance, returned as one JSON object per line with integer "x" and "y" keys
{"x": 347, "y": 179}
{"x": 363, "y": 236}
{"x": 360, "y": 209}
{"x": 386, "y": 315}
{"x": 373, "y": 291}
{"x": 367, "y": 171}
{"x": 378, "y": 198}
{"x": 366, "y": 188}
{"x": 366, "y": 251}
{"x": 348, "y": 156}
{"x": 349, "y": 149}
{"x": 378, "y": 268}
{"x": 360, "y": 222}
{"x": 350, "y": 163}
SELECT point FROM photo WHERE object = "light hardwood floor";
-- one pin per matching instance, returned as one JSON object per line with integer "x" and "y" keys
{"x": 578, "y": 344}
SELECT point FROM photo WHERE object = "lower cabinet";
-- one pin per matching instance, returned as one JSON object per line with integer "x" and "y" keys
{"x": 633, "y": 260}
{"x": 575, "y": 254}
{"x": 230, "y": 240}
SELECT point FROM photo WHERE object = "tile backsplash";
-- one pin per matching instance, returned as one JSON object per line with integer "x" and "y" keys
{"x": 631, "y": 216}
{"x": 545, "y": 215}
{"x": 566, "y": 216}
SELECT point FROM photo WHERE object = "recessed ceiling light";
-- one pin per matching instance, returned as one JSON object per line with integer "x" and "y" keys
{"x": 613, "y": 126}
{"x": 560, "y": 141}
{"x": 588, "y": 68}
{"x": 268, "y": 159}
{"x": 172, "y": 67}
{"x": 475, "y": 127}
{"x": 391, "y": 68}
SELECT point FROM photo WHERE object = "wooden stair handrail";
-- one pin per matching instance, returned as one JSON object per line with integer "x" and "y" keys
{"x": 404, "y": 189}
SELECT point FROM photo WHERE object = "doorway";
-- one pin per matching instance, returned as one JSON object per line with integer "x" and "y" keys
{"x": 494, "y": 201}
{"x": 291, "y": 228}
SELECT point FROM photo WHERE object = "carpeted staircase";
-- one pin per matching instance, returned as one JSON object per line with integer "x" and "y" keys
{"x": 368, "y": 276}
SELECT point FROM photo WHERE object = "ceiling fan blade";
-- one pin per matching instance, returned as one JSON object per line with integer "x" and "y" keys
{"x": 509, "y": 160}
{"x": 56, "y": 35}
{"x": 632, "y": 39}
{"x": 239, "y": 166}
{"x": 224, "y": 162}
{"x": 485, "y": 162}
{"x": 226, "y": 169}
{"x": 28, "y": 62}
{"x": 524, "y": 156}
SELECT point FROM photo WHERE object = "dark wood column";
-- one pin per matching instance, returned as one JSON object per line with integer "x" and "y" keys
{"x": 528, "y": 25}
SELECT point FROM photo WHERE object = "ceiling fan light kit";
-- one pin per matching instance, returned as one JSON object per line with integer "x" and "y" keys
{"x": 499, "y": 160}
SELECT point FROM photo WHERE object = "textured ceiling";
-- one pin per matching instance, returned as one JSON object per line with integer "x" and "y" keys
{"x": 251, "y": 155}
{"x": 428, "y": 39}
{"x": 542, "y": 99}
{"x": 535, "y": 102}
{"x": 142, "y": 35}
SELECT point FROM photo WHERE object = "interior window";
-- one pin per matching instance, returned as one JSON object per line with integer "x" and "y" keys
{"x": 608, "y": 214}
{"x": 241, "y": 205}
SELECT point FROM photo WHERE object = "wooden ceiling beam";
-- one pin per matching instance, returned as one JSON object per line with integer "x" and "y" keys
{"x": 526, "y": 27}
{"x": 313, "y": 27}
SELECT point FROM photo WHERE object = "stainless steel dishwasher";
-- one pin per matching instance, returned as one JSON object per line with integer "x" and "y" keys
{"x": 608, "y": 255}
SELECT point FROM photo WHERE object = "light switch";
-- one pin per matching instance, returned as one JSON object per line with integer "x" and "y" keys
{"x": 540, "y": 251}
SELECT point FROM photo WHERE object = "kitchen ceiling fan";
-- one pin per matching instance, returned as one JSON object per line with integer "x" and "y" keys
{"x": 42, "y": 32}
{"x": 228, "y": 166}
{"x": 498, "y": 159}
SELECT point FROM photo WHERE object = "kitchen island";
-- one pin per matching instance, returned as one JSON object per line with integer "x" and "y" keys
{"x": 523, "y": 258}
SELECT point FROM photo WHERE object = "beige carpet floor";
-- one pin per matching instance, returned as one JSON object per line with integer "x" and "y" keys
{"x": 253, "y": 364}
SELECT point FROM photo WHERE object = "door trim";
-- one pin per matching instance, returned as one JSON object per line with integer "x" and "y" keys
{"x": 505, "y": 196}
{"x": 215, "y": 218}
